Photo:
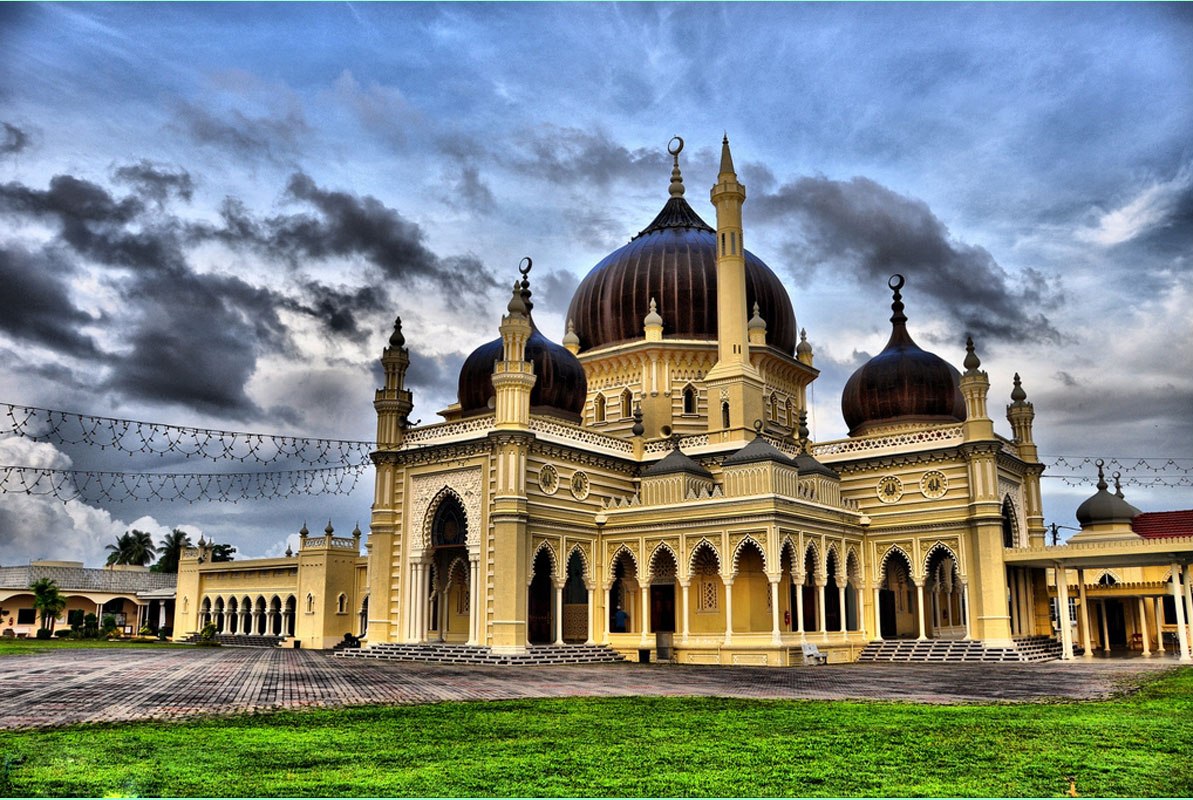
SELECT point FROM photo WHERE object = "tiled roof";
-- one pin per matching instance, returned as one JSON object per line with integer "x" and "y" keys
{"x": 84, "y": 579}
{"x": 1158, "y": 524}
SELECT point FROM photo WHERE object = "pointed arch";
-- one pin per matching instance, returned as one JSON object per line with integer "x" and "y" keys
{"x": 458, "y": 566}
{"x": 818, "y": 565}
{"x": 653, "y": 562}
{"x": 445, "y": 515}
{"x": 936, "y": 547}
{"x": 853, "y": 567}
{"x": 1109, "y": 577}
{"x": 598, "y": 408}
{"x": 621, "y": 551}
{"x": 578, "y": 551}
{"x": 703, "y": 546}
{"x": 833, "y": 552}
{"x": 788, "y": 550}
{"x": 627, "y": 404}
{"x": 689, "y": 399}
{"x": 1011, "y": 535}
{"x": 551, "y": 555}
{"x": 882, "y": 562}
{"x": 737, "y": 552}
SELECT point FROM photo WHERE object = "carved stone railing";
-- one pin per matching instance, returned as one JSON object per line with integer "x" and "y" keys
{"x": 567, "y": 433}
{"x": 893, "y": 443}
{"x": 335, "y": 542}
{"x": 449, "y": 431}
{"x": 685, "y": 443}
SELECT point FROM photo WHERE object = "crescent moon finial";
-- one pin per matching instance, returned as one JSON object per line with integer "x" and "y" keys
{"x": 524, "y": 266}
{"x": 896, "y": 282}
{"x": 672, "y": 148}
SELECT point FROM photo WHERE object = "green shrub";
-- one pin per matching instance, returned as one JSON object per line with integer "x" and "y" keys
{"x": 90, "y": 627}
{"x": 109, "y": 624}
{"x": 75, "y": 618}
{"x": 64, "y": 633}
{"x": 145, "y": 631}
{"x": 44, "y": 633}
{"x": 207, "y": 636}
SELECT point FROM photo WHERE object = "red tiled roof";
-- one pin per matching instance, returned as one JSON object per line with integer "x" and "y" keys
{"x": 1156, "y": 524}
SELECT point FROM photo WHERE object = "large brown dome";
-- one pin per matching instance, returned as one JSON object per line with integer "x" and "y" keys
{"x": 902, "y": 383}
{"x": 673, "y": 260}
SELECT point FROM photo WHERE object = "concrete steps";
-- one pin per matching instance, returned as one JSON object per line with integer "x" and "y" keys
{"x": 958, "y": 651}
{"x": 438, "y": 653}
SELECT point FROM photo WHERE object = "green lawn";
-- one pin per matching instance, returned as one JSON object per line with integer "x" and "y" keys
{"x": 10, "y": 647}
{"x": 1136, "y": 745}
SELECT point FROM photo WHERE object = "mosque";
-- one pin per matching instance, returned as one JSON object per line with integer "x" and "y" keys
{"x": 649, "y": 485}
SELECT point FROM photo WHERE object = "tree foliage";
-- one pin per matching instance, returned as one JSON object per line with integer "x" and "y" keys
{"x": 169, "y": 550}
{"x": 48, "y": 601}
{"x": 132, "y": 547}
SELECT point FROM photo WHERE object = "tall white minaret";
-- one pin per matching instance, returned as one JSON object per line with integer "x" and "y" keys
{"x": 735, "y": 387}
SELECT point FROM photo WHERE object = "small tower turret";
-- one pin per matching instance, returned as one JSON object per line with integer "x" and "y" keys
{"x": 803, "y": 351}
{"x": 975, "y": 385}
{"x": 513, "y": 375}
{"x": 1021, "y": 414}
{"x": 757, "y": 328}
{"x": 570, "y": 339}
{"x": 394, "y": 401}
{"x": 652, "y": 323}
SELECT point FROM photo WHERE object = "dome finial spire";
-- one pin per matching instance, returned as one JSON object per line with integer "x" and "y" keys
{"x": 524, "y": 267}
{"x": 897, "y": 316}
{"x": 726, "y": 157}
{"x": 396, "y": 339}
{"x": 674, "y": 148}
{"x": 972, "y": 362}
{"x": 1118, "y": 486}
{"x": 1101, "y": 476}
{"x": 1017, "y": 394}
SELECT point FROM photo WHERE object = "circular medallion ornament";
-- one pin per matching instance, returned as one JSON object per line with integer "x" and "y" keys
{"x": 580, "y": 486}
{"x": 933, "y": 484}
{"x": 890, "y": 489}
{"x": 548, "y": 479}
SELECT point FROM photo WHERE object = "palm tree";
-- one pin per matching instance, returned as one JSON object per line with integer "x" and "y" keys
{"x": 132, "y": 547}
{"x": 169, "y": 550}
{"x": 48, "y": 601}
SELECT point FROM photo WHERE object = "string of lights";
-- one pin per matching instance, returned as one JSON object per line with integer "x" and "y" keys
{"x": 1123, "y": 464}
{"x": 155, "y": 438}
{"x": 1155, "y": 481}
{"x": 118, "y": 487}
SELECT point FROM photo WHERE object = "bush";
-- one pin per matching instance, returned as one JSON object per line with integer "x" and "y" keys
{"x": 207, "y": 636}
{"x": 44, "y": 633}
{"x": 75, "y": 618}
{"x": 64, "y": 633}
{"x": 109, "y": 624}
{"x": 90, "y": 627}
{"x": 145, "y": 631}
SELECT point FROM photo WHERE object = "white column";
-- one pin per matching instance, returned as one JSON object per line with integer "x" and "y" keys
{"x": 591, "y": 613}
{"x": 822, "y": 626}
{"x": 728, "y": 612}
{"x": 919, "y": 602}
{"x": 441, "y": 615}
{"x": 1105, "y": 629}
{"x": 799, "y": 609}
{"x": 877, "y": 613}
{"x": 1085, "y": 637}
{"x": 965, "y": 610}
{"x": 774, "y": 610}
{"x": 841, "y": 596}
{"x": 1147, "y": 650}
{"x": 1062, "y": 613}
{"x": 644, "y": 593}
{"x": 412, "y": 603}
{"x": 1160, "y": 625}
{"x": 559, "y": 613}
{"x": 684, "y": 593}
{"x": 473, "y": 600}
{"x": 1182, "y": 634}
{"x": 1188, "y": 603}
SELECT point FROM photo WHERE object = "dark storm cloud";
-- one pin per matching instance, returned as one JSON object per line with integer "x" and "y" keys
{"x": 437, "y": 376}
{"x": 571, "y": 156}
{"x": 35, "y": 305}
{"x": 869, "y": 232}
{"x": 269, "y": 136}
{"x": 157, "y": 182}
{"x": 346, "y": 225}
{"x": 469, "y": 191}
{"x": 13, "y": 141}
{"x": 338, "y": 310}
{"x": 553, "y": 290}
{"x": 197, "y": 340}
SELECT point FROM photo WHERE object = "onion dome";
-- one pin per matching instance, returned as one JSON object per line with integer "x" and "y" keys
{"x": 673, "y": 259}
{"x": 396, "y": 339}
{"x": 902, "y": 383}
{"x": 560, "y": 385}
{"x": 804, "y": 348}
{"x": 1104, "y": 508}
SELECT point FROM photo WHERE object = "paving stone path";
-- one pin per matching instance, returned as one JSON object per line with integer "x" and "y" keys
{"x": 85, "y": 686}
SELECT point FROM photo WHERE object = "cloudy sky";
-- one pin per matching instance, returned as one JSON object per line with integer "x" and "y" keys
{"x": 209, "y": 215}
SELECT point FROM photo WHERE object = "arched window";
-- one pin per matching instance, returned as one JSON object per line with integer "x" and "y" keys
{"x": 725, "y": 414}
{"x": 626, "y": 404}
{"x": 310, "y": 604}
{"x": 1106, "y": 580}
{"x": 774, "y": 407}
{"x": 342, "y": 603}
{"x": 449, "y": 528}
{"x": 598, "y": 408}
{"x": 689, "y": 400}
{"x": 1008, "y": 523}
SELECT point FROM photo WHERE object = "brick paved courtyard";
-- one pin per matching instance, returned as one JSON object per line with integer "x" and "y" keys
{"x": 72, "y": 686}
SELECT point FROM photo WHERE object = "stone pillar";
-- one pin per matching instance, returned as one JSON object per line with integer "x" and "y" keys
{"x": 1147, "y": 650}
{"x": 1182, "y": 634}
{"x": 877, "y": 614}
{"x": 591, "y": 612}
{"x": 728, "y": 612}
{"x": 1188, "y": 604}
{"x": 775, "y": 636}
{"x": 1062, "y": 613}
{"x": 644, "y": 593}
{"x": 473, "y": 600}
{"x": 558, "y": 613}
{"x": 683, "y": 587}
{"x": 799, "y": 608}
{"x": 965, "y": 609}
{"x": 1105, "y": 630}
{"x": 822, "y": 626}
{"x": 442, "y": 616}
{"x": 1085, "y": 637}
{"x": 919, "y": 607}
{"x": 1160, "y": 625}
{"x": 841, "y": 595}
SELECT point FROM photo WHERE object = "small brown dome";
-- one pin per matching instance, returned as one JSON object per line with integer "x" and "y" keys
{"x": 560, "y": 384}
{"x": 1104, "y": 508}
{"x": 902, "y": 382}
{"x": 673, "y": 260}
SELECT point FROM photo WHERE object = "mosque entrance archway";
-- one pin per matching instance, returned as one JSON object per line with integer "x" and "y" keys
{"x": 832, "y": 598}
{"x": 538, "y": 610}
{"x": 449, "y": 596}
{"x": 662, "y": 608}
{"x": 896, "y": 600}
{"x": 575, "y": 602}
{"x": 1116, "y": 622}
